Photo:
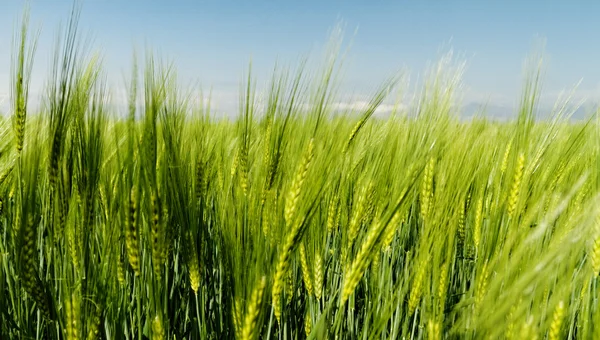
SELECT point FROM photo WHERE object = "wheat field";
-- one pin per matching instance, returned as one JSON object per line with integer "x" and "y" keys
{"x": 290, "y": 221}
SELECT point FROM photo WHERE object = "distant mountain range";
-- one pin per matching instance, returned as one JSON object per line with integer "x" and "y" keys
{"x": 469, "y": 110}
{"x": 499, "y": 112}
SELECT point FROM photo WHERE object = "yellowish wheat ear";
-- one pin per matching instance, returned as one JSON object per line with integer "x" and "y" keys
{"x": 237, "y": 316}
{"x": 307, "y": 325}
{"x": 357, "y": 268}
{"x": 318, "y": 274}
{"x": 416, "y": 289}
{"x": 433, "y": 330}
{"x": 595, "y": 248}
{"x": 427, "y": 189}
{"x": 253, "y": 310}
{"x": 291, "y": 201}
{"x": 482, "y": 282}
{"x": 442, "y": 288}
{"x": 478, "y": 223}
{"x": 516, "y": 186}
{"x": 193, "y": 264}
{"x": 528, "y": 329}
{"x": 306, "y": 274}
{"x": 158, "y": 331}
{"x": 504, "y": 163}
{"x": 557, "y": 320}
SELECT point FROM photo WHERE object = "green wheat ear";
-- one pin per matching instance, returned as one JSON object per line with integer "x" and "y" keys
{"x": 193, "y": 264}
{"x": 132, "y": 233}
{"x": 291, "y": 201}
{"x": 292, "y": 238}
{"x": 21, "y": 67}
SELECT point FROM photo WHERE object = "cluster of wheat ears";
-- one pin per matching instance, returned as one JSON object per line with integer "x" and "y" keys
{"x": 290, "y": 222}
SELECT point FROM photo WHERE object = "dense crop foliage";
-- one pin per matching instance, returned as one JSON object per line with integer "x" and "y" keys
{"x": 289, "y": 222}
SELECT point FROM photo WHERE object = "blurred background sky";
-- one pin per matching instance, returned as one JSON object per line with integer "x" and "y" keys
{"x": 211, "y": 42}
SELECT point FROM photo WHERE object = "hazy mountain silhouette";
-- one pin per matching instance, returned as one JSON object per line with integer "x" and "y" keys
{"x": 502, "y": 113}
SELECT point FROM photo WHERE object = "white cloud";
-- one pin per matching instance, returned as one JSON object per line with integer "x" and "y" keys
{"x": 360, "y": 105}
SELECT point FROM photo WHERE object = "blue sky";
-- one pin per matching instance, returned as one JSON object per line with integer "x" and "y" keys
{"x": 212, "y": 41}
